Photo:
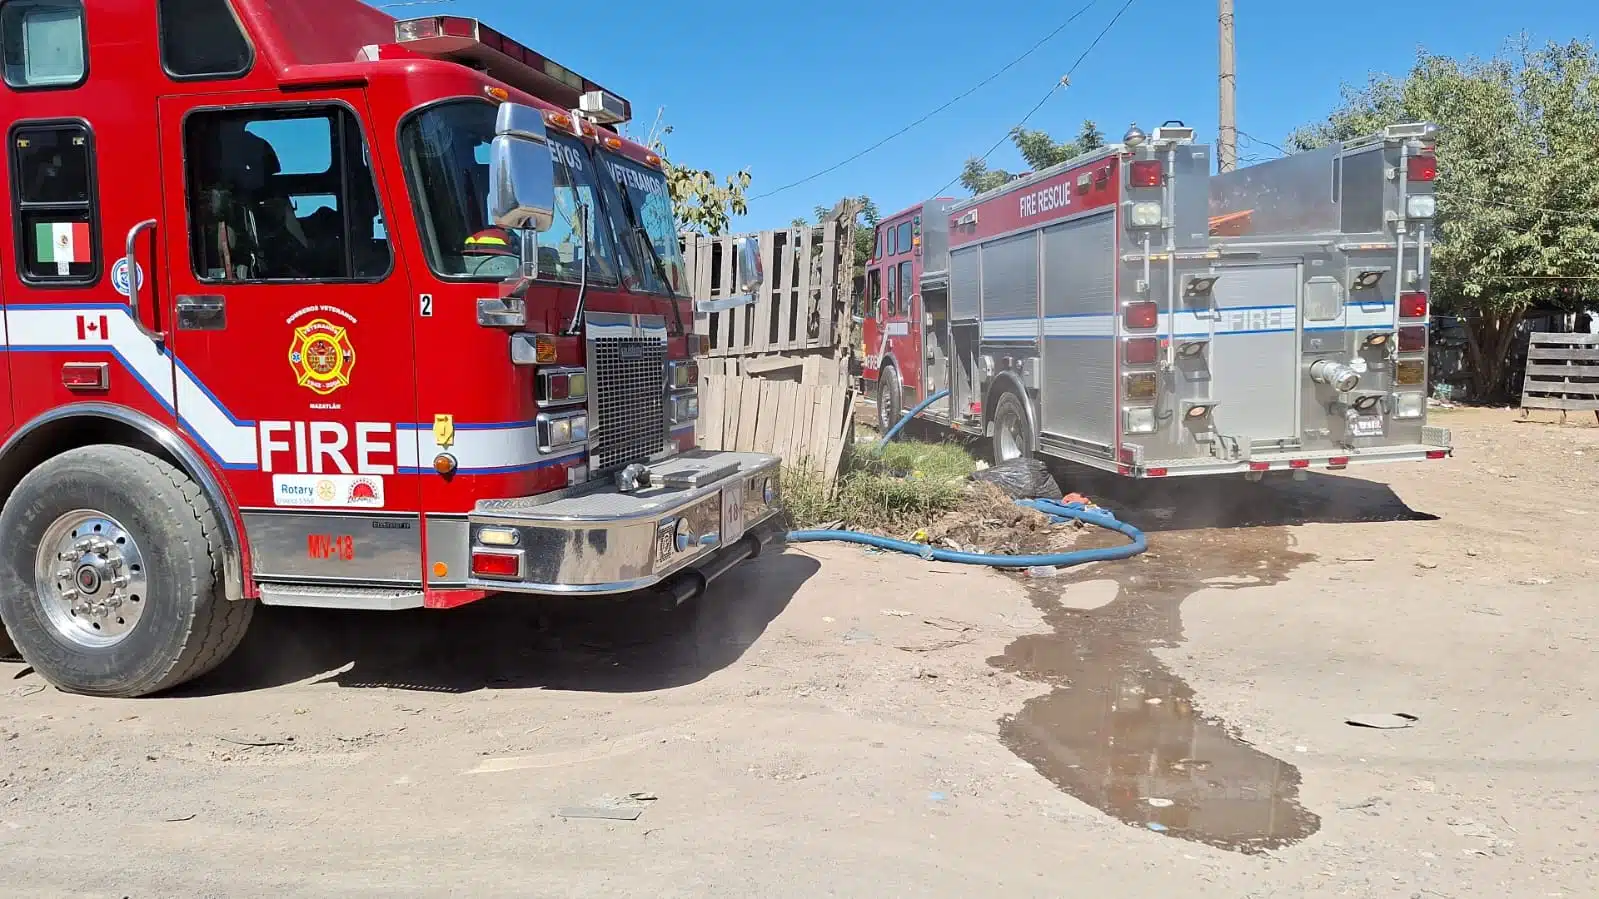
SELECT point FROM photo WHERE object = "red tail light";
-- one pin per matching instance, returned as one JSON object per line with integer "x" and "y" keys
{"x": 1338, "y": 462}
{"x": 1141, "y": 315}
{"x": 1412, "y": 338}
{"x": 1260, "y": 466}
{"x": 1422, "y": 168}
{"x": 1298, "y": 463}
{"x": 1145, "y": 174}
{"x": 1140, "y": 351}
{"x": 1436, "y": 454}
{"x": 1413, "y": 305}
{"x": 1155, "y": 472}
{"x": 494, "y": 564}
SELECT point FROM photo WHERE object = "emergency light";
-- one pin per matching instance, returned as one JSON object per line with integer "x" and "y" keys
{"x": 470, "y": 42}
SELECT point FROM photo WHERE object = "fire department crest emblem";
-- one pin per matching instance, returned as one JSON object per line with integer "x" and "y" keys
{"x": 322, "y": 356}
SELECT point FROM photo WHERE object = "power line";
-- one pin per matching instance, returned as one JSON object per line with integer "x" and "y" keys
{"x": 969, "y": 91}
{"x": 1575, "y": 213}
{"x": 1253, "y": 139}
{"x": 1064, "y": 81}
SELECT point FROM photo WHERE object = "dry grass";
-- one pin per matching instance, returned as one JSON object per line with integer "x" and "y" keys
{"x": 908, "y": 485}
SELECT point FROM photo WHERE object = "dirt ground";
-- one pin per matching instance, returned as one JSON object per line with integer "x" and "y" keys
{"x": 835, "y": 722}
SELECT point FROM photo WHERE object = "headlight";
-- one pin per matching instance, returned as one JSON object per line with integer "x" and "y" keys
{"x": 1138, "y": 420}
{"x": 1409, "y": 405}
{"x": 557, "y": 432}
{"x": 1145, "y": 215}
{"x": 1424, "y": 206}
{"x": 685, "y": 407}
{"x": 682, "y": 373}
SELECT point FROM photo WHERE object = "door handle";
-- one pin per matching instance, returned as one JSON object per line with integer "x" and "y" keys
{"x": 131, "y": 260}
{"x": 202, "y": 312}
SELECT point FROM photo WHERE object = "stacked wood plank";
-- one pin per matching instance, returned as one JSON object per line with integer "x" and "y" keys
{"x": 1562, "y": 373}
{"x": 799, "y": 307}
{"x": 806, "y": 424}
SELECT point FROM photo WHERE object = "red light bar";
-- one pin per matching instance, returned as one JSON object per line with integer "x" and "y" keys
{"x": 470, "y": 42}
{"x": 1422, "y": 168}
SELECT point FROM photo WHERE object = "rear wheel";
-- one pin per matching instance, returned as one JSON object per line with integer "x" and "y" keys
{"x": 110, "y": 574}
{"x": 1011, "y": 437}
{"x": 8, "y": 651}
{"x": 890, "y": 398}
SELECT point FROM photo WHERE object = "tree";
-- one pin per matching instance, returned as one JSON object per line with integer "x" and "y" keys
{"x": 1518, "y": 180}
{"x": 866, "y": 218}
{"x": 701, "y": 202}
{"x": 1039, "y": 149}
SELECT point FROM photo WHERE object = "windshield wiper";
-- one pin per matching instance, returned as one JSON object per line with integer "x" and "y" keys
{"x": 643, "y": 236}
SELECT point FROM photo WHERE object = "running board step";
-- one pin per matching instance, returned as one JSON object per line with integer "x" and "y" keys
{"x": 376, "y": 599}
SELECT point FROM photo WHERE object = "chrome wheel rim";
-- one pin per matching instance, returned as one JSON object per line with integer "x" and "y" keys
{"x": 90, "y": 577}
{"x": 1008, "y": 434}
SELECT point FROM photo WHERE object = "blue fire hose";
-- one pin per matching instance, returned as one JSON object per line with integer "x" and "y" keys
{"x": 1057, "y": 511}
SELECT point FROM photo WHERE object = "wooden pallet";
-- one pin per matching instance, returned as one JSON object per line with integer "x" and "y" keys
{"x": 805, "y": 424}
{"x": 803, "y": 304}
{"x": 1562, "y": 374}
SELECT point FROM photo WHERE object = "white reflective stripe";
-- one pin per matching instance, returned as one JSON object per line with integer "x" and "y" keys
{"x": 231, "y": 442}
{"x": 1080, "y": 326}
{"x": 1010, "y": 327}
{"x": 1242, "y": 320}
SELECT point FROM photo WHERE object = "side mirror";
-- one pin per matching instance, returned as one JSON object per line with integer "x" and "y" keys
{"x": 521, "y": 170}
{"x": 750, "y": 278}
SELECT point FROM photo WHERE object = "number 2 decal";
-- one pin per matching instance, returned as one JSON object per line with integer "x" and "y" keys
{"x": 426, "y": 303}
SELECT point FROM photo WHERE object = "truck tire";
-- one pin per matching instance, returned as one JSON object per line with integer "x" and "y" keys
{"x": 111, "y": 574}
{"x": 8, "y": 650}
{"x": 1012, "y": 438}
{"x": 890, "y": 397}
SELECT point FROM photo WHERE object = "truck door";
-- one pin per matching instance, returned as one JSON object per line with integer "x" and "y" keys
{"x": 1255, "y": 359}
{"x": 289, "y": 319}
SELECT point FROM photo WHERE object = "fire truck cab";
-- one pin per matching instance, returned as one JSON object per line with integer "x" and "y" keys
{"x": 309, "y": 306}
{"x": 1128, "y": 311}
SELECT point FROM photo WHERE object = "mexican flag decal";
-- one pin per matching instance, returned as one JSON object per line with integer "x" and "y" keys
{"x": 62, "y": 243}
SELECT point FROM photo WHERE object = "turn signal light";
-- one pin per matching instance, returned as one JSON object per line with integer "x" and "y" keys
{"x": 1145, "y": 174}
{"x": 1413, "y": 305}
{"x": 1410, "y": 373}
{"x": 1140, "y": 351}
{"x": 1412, "y": 338}
{"x": 544, "y": 348}
{"x": 1140, "y": 315}
{"x": 1140, "y": 386}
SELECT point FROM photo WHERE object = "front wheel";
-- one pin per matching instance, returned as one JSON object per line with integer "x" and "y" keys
{"x": 1012, "y": 438}
{"x": 110, "y": 574}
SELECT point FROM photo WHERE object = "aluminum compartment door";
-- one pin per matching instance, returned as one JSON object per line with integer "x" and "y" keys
{"x": 1079, "y": 322}
{"x": 1255, "y": 359}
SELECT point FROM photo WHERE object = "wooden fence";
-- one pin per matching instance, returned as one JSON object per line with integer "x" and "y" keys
{"x": 1562, "y": 373}
{"x": 776, "y": 376}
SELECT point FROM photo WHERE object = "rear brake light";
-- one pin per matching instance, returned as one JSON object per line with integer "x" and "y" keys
{"x": 1140, "y": 315}
{"x": 1338, "y": 462}
{"x": 496, "y": 564}
{"x": 1437, "y": 454}
{"x": 1298, "y": 463}
{"x": 1412, "y": 338}
{"x": 1140, "y": 351}
{"x": 1145, "y": 174}
{"x": 1413, "y": 305}
{"x": 1260, "y": 466}
{"x": 1155, "y": 472}
{"x": 1422, "y": 168}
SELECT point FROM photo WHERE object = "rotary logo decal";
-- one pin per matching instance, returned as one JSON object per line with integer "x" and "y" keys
{"x": 322, "y": 356}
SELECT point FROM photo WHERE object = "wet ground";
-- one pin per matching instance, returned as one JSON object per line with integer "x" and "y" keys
{"x": 1119, "y": 730}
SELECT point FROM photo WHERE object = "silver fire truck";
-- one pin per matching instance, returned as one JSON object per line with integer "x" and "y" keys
{"x": 1130, "y": 311}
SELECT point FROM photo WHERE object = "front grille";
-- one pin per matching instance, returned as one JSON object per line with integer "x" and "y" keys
{"x": 630, "y": 399}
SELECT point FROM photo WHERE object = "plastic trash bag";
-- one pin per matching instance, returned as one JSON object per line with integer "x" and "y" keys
{"x": 1021, "y": 479}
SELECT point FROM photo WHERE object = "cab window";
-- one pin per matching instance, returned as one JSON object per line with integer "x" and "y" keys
{"x": 43, "y": 43}
{"x": 282, "y": 195}
{"x": 903, "y": 238}
{"x": 893, "y": 289}
{"x": 202, "y": 39}
{"x": 874, "y": 291}
{"x": 878, "y": 253}
{"x": 906, "y": 288}
{"x": 52, "y": 168}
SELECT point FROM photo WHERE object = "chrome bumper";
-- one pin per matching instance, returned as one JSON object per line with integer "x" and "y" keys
{"x": 1301, "y": 460}
{"x": 703, "y": 512}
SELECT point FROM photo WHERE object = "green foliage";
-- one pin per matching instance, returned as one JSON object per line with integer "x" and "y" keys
{"x": 1039, "y": 149}
{"x": 701, "y": 201}
{"x": 1518, "y": 182}
{"x": 865, "y": 224}
{"x": 908, "y": 485}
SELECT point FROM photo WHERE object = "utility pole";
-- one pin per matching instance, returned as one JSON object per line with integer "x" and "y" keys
{"x": 1227, "y": 132}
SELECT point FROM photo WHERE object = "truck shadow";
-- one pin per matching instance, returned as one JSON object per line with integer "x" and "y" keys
{"x": 1182, "y": 504}
{"x": 510, "y": 642}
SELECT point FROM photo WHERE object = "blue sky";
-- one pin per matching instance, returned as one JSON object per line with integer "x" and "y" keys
{"x": 789, "y": 89}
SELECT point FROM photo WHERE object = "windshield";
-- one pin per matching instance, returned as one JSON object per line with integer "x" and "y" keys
{"x": 446, "y": 153}
{"x": 645, "y": 189}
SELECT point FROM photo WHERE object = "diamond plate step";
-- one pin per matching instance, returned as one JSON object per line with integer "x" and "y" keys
{"x": 377, "y": 599}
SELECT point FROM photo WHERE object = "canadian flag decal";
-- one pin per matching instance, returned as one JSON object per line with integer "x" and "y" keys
{"x": 93, "y": 328}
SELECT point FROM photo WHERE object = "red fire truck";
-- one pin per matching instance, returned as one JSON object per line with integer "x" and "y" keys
{"x": 1129, "y": 311}
{"x": 310, "y": 306}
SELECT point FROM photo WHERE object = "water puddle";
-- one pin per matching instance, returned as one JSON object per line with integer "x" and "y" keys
{"x": 1120, "y": 731}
